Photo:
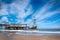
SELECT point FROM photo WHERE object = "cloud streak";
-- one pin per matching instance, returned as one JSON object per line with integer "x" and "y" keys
{"x": 18, "y": 10}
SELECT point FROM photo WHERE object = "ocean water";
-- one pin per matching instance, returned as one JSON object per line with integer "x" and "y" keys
{"x": 39, "y": 33}
{"x": 46, "y": 32}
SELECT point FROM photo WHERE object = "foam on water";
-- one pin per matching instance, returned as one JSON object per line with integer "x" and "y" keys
{"x": 34, "y": 32}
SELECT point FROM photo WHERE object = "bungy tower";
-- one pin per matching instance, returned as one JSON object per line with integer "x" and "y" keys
{"x": 34, "y": 26}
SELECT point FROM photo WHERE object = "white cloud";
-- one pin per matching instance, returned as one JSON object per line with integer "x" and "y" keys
{"x": 23, "y": 14}
{"x": 47, "y": 6}
{"x": 17, "y": 8}
{"x": 22, "y": 4}
{"x": 47, "y": 26}
{"x": 48, "y": 14}
{"x": 29, "y": 22}
{"x": 20, "y": 7}
{"x": 4, "y": 19}
{"x": 3, "y": 12}
{"x": 54, "y": 21}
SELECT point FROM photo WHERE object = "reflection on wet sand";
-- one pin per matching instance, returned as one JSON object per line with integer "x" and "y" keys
{"x": 28, "y": 36}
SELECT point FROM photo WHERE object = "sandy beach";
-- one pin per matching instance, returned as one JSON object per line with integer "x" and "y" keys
{"x": 3, "y": 37}
{"x": 29, "y": 37}
{"x": 32, "y": 37}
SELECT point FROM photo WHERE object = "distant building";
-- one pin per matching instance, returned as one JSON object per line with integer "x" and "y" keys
{"x": 16, "y": 27}
{"x": 34, "y": 26}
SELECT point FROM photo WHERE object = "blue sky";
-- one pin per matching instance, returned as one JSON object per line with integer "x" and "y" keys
{"x": 46, "y": 12}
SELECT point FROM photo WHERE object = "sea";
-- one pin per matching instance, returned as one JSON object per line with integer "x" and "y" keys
{"x": 38, "y": 32}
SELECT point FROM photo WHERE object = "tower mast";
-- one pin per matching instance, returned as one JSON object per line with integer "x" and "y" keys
{"x": 34, "y": 21}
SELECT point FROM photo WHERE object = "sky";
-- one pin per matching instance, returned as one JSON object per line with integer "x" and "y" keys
{"x": 46, "y": 13}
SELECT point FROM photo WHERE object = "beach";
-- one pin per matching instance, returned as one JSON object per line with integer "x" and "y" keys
{"x": 28, "y": 37}
{"x": 32, "y": 37}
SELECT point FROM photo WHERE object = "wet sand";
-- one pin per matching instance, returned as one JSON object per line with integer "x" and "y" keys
{"x": 28, "y": 37}
{"x": 3, "y": 37}
{"x": 33, "y": 37}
